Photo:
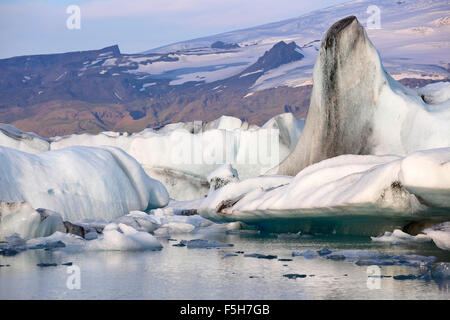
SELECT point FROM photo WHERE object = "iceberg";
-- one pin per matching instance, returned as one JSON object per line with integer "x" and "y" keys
{"x": 373, "y": 154}
{"x": 115, "y": 237}
{"x": 367, "y": 258}
{"x": 222, "y": 176}
{"x": 204, "y": 244}
{"x": 435, "y": 93}
{"x": 21, "y": 219}
{"x": 78, "y": 183}
{"x": 140, "y": 221}
{"x": 358, "y": 108}
{"x": 440, "y": 234}
{"x": 398, "y": 237}
{"x": 15, "y": 138}
{"x": 66, "y": 238}
{"x": 341, "y": 193}
{"x": 183, "y": 155}
{"x": 121, "y": 237}
{"x": 172, "y": 220}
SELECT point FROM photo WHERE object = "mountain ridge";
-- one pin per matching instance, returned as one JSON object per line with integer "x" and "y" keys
{"x": 252, "y": 74}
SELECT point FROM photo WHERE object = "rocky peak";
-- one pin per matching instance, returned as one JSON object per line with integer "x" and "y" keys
{"x": 279, "y": 54}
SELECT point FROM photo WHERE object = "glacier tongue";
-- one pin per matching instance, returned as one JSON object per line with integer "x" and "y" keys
{"x": 357, "y": 108}
{"x": 79, "y": 182}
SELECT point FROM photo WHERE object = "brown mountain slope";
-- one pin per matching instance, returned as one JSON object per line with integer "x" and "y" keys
{"x": 65, "y": 117}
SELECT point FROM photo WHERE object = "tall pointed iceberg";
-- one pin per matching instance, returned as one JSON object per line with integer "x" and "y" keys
{"x": 357, "y": 108}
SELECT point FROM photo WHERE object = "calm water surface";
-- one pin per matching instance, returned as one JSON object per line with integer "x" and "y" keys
{"x": 182, "y": 273}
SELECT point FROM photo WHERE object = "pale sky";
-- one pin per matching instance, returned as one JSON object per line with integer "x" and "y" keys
{"x": 39, "y": 26}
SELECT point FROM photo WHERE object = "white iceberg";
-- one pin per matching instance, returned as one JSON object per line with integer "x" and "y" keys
{"x": 226, "y": 197}
{"x": 440, "y": 235}
{"x": 173, "y": 228}
{"x": 123, "y": 238}
{"x": 398, "y": 236}
{"x": 21, "y": 219}
{"x": 140, "y": 221}
{"x": 67, "y": 238}
{"x": 373, "y": 153}
{"x": 358, "y": 108}
{"x": 182, "y": 155}
{"x": 15, "y": 138}
{"x": 435, "y": 93}
{"x": 389, "y": 189}
{"x": 79, "y": 182}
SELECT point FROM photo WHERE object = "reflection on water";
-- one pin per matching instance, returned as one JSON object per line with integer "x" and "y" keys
{"x": 182, "y": 273}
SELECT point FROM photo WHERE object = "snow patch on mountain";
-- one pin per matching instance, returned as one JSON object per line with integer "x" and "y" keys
{"x": 413, "y": 39}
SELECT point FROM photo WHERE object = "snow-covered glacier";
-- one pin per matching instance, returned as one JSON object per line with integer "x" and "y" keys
{"x": 78, "y": 183}
{"x": 358, "y": 108}
{"x": 413, "y": 42}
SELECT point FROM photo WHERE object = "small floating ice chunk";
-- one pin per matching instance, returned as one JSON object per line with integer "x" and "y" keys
{"x": 179, "y": 245}
{"x": 323, "y": 252}
{"x": 260, "y": 256}
{"x": 145, "y": 221}
{"x": 336, "y": 257}
{"x": 244, "y": 232}
{"x": 226, "y": 254}
{"x": 441, "y": 271}
{"x": 440, "y": 235}
{"x": 307, "y": 254}
{"x": 140, "y": 221}
{"x": 232, "y": 227}
{"x": 123, "y": 237}
{"x": 204, "y": 244}
{"x": 171, "y": 228}
{"x": 294, "y": 275}
{"x": 289, "y": 235}
{"x": 8, "y": 252}
{"x": 398, "y": 236}
{"x": 15, "y": 240}
{"x": 44, "y": 265}
{"x": 370, "y": 262}
{"x": 21, "y": 218}
{"x": 166, "y": 215}
{"x": 406, "y": 277}
{"x": 413, "y": 260}
{"x": 367, "y": 258}
{"x": 57, "y": 237}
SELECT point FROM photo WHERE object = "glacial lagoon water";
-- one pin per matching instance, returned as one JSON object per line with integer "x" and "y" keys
{"x": 184, "y": 273}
